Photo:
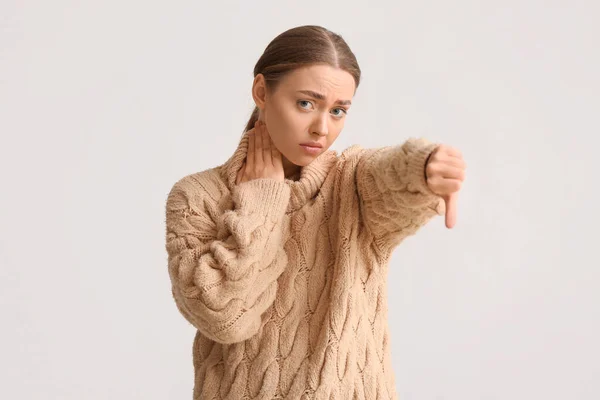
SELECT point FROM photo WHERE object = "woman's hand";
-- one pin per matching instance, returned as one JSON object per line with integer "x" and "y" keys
{"x": 263, "y": 160}
{"x": 445, "y": 172}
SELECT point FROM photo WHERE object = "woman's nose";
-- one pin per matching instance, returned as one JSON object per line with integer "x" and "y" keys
{"x": 320, "y": 126}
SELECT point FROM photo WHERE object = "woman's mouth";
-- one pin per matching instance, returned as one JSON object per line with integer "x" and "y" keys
{"x": 311, "y": 149}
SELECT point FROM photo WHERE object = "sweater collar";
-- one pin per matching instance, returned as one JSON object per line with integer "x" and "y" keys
{"x": 302, "y": 190}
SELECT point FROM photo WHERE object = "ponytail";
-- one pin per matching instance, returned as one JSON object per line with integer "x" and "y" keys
{"x": 252, "y": 120}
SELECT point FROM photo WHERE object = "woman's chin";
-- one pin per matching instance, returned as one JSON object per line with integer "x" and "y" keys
{"x": 302, "y": 160}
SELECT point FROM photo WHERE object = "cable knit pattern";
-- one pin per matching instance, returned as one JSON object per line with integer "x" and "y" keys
{"x": 285, "y": 282}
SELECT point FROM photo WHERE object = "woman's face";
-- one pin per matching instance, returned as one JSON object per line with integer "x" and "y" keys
{"x": 294, "y": 117}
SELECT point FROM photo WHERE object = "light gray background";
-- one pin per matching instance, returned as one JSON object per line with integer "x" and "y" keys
{"x": 104, "y": 105}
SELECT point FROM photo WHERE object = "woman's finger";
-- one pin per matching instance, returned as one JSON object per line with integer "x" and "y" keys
{"x": 276, "y": 157}
{"x": 456, "y": 162}
{"x": 251, "y": 145}
{"x": 442, "y": 186}
{"x": 258, "y": 148}
{"x": 240, "y": 174}
{"x": 450, "y": 201}
{"x": 266, "y": 146}
{"x": 452, "y": 172}
{"x": 453, "y": 151}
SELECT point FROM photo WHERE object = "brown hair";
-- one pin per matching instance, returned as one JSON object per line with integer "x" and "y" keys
{"x": 300, "y": 47}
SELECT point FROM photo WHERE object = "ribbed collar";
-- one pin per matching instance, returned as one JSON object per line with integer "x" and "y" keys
{"x": 312, "y": 176}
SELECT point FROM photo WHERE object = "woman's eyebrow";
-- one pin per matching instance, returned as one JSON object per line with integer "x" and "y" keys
{"x": 320, "y": 96}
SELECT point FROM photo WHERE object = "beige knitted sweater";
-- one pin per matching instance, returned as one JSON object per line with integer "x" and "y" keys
{"x": 285, "y": 282}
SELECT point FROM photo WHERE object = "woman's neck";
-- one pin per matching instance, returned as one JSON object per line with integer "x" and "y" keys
{"x": 290, "y": 170}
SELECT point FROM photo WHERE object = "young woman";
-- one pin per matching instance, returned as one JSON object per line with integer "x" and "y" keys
{"x": 279, "y": 256}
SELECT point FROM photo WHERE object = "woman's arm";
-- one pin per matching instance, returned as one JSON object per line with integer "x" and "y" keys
{"x": 395, "y": 198}
{"x": 224, "y": 265}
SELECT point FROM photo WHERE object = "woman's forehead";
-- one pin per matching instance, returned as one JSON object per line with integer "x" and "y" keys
{"x": 323, "y": 80}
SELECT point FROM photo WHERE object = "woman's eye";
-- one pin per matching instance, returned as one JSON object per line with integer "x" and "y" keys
{"x": 339, "y": 114}
{"x": 343, "y": 111}
{"x": 303, "y": 101}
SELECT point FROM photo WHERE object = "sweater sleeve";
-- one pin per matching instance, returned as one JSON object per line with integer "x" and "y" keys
{"x": 394, "y": 196}
{"x": 224, "y": 265}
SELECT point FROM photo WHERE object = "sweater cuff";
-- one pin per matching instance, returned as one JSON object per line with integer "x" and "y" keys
{"x": 418, "y": 152}
{"x": 264, "y": 195}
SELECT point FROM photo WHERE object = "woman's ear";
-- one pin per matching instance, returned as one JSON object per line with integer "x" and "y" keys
{"x": 259, "y": 92}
